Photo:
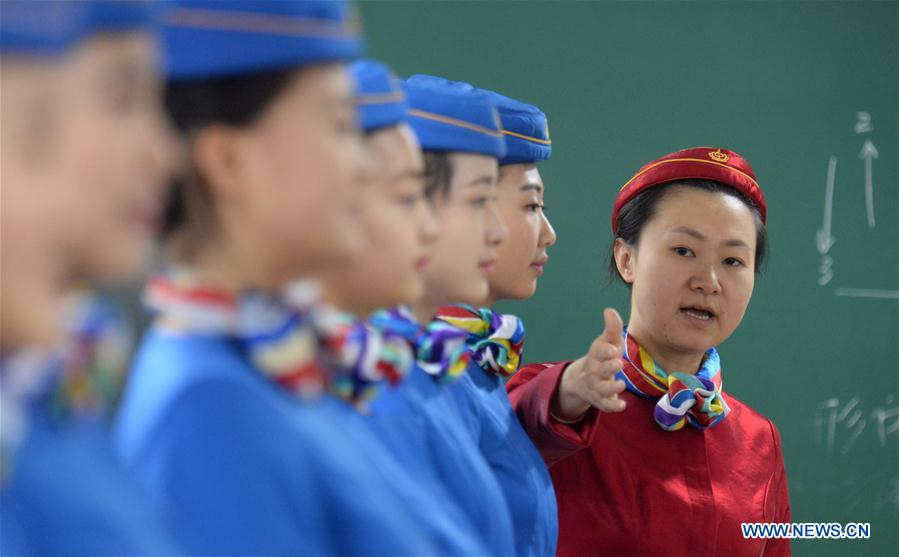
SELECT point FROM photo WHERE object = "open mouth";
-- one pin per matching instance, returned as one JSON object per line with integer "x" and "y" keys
{"x": 698, "y": 313}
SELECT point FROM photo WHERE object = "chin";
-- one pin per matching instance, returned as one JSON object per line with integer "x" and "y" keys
{"x": 396, "y": 298}
{"x": 39, "y": 328}
{"x": 512, "y": 291}
{"x": 474, "y": 296}
{"x": 693, "y": 341}
{"x": 527, "y": 291}
{"x": 519, "y": 294}
{"x": 118, "y": 266}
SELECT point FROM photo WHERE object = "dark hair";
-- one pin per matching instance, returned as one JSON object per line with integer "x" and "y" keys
{"x": 438, "y": 174}
{"x": 192, "y": 105}
{"x": 236, "y": 101}
{"x": 639, "y": 210}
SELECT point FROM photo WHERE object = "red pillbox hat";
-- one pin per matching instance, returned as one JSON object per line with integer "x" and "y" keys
{"x": 708, "y": 163}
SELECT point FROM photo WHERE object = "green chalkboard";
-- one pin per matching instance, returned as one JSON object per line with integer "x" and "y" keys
{"x": 800, "y": 89}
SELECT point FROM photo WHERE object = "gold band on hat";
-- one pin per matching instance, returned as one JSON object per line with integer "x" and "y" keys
{"x": 380, "y": 98}
{"x": 527, "y": 137}
{"x": 704, "y": 161}
{"x": 266, "y": 24}
{"x": 453, "y": 122}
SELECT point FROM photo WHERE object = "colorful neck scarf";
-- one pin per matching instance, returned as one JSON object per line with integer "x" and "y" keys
{"x": 94, "y": 357}
{"x": 282, "y": 344}
{"x": 495, "y": 339}
{"x": 78, "y": 379}
{"x": 362, "y": 358}
{"x": 682, "y": 397}
{"x": 300, "y": 343}
{"x": 369, "y": 358}
{"x": 439, "y": 348}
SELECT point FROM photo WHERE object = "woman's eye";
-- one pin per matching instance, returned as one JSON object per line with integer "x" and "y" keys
{"x": 345, "y": 124}
{"x": 684, "y": 252}
{"x": 480, "y": 201}
{"x": 733, "y": 262}
{"x": 122, "y": 99}
{"x": 534, "y": 207}
{"x": 409, "y": 200}
{"x": 347, "y": 128}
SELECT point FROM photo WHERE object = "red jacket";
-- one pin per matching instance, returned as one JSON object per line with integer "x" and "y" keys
{"x": 640, "y": 490}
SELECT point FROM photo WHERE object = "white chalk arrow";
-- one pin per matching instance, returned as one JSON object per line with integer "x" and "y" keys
{"x": 869, "y": 153}
{"x": 823, "y": 238}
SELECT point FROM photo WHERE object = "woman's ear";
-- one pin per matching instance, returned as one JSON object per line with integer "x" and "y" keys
{"x": 217, "y": 157}
{"x": 625, "y": 255}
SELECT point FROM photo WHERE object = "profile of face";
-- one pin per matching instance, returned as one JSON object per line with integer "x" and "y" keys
{"x": 522, "y": 256}
{"x": 30, "y": 284}
{"x": 470, "y": 230}
{"x": 398, "y": 226}
{"x": 290, "y": 182}
{"x": 116, "y": 153}
{"x": 692, "y": 273}
{"x": 29, "y": 289}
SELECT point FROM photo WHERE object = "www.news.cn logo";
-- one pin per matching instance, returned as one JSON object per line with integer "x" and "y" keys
{"x": 807, "y": 530}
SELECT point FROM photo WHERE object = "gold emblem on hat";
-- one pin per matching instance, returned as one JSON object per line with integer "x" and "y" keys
{"x": 718, "y": 156}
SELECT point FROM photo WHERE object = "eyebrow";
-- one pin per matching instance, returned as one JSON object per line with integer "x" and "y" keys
{"x": 485, "y": 180}
{"x": 417, "y": 174}
{"x": 732, "y": 242}
{"x": 123, "y": 72}
{"x": 124, "y": 68}
{"x": 343, "y": 101}
{"x": 531, "y": 186}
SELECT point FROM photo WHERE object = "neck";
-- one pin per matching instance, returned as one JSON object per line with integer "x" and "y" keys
{"x": 424, "y": 312}
{"x": 238, "y": 261}
{"x": 333, "y": 296}
{"x": 672, "y": 361}
{"x": 224, "y": 268}
{"x": 339, "y": 288}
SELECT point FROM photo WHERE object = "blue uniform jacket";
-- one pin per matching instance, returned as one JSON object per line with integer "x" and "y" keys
{"x": 247, "y": 468}
{"x": 516, "y": 463}
{"x": 423, "y": 423}
{"x": 69, "y": 495}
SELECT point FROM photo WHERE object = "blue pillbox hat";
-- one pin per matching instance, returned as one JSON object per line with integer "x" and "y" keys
{"x": 525, "y": 128}
{"x": 379, "y": 95}
{"x": 52, "y": 27}
{"x": 220, "y": 38}
{"x": 112, "y": 15}
{"x": 41, "y": 29}
{"x": 453, "y": 116}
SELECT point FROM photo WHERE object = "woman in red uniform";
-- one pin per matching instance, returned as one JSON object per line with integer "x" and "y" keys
{"x": 675, "y": 464}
